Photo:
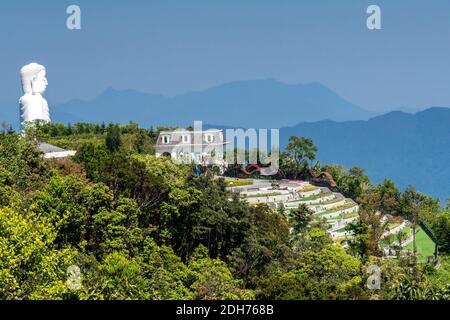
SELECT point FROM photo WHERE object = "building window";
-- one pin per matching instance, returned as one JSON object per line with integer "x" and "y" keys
{"x": 185, "y": 138}
{"x": 165, "y": 139}
{"x": 209, "y": 138}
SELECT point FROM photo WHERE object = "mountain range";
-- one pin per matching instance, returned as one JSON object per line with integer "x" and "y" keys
{"x": 411, "y": 149}
{"x": 254, "y": 103}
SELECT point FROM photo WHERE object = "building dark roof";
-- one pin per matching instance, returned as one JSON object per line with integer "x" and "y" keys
{"x": 48, "y": 148}
{"x": 195, "y": 137}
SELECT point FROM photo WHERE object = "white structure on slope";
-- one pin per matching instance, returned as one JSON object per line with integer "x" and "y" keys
{"x": 53, "y": 152}
{"x": 33, "y": 106}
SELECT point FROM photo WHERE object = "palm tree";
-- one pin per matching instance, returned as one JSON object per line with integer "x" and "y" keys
{"x": 401, "y": 236}
{"x": 411, "y": 202}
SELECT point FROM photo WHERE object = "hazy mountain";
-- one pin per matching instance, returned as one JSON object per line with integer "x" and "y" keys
{"x": 411, "y": 149}
{"x": 256, "y": 103}
{"x": 9, "y": 112}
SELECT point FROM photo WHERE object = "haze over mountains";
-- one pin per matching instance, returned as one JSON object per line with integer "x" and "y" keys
{"x": 256, "y": 103}
{"x": 411, "y": 149}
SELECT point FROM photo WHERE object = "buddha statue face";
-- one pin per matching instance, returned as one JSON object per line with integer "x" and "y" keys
{"x": 33, "y": 78}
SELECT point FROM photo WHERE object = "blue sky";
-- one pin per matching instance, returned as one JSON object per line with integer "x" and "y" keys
{"x": 172, "y": 47}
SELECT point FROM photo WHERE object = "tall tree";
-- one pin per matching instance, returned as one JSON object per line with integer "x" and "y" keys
{"x": 113, "y": 138}
{"x": 294, "y": 161}
{"x": 300, "y": 218}
{"x": 301, "y": 149}
{"x": 411, "y": 202}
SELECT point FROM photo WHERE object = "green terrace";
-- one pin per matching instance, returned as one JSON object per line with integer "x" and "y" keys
{"x": 307, "y": 188}
{"x": 344, "y": 216}
{"x": 341, "y": 230}
{"x": 238, "y": 183}
{"x": 331, "y": 201}
{"x": 314, "y": 197}
{"x": 346, "y": 205}
{"x": 272, "y": 194}
{"x": 392, "y": 225}
{"x": 386, "y": 242}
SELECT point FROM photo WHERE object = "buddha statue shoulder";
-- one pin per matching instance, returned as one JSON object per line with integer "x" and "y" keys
{"x": 33, "y": 106}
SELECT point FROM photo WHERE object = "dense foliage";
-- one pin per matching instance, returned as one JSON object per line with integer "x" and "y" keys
{"x": 115, "y": 222}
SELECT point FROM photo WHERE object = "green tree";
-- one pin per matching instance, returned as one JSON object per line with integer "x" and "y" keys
{"x": 30, "y": 266}
{"x": 212, "y": 280}
{"x": 8, "y": 195}
{"x": 301, "y": 149}
{"x": 441, "y": 229}
{"x": 113, "y": 138}
{"x": 265, "y": 245}
{"x": 169, "y": 278}
{"x": 121, "y": 278}
{"x": 358, "y": 244}
{"x": 327, "y": 273}
{"x": 25, "y": 162}
{"x": 411, "y": 202}
{"x": 88, "y": 213}
{"x": 300, "y": 218}
{"x": 294, "y": 161}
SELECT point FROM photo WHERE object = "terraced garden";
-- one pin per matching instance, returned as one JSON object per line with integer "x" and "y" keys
{"x": 337, "y": 216}
{"x": 270, "y": 194}
{"x": 290, "y": 199}
{"x": 313, "y": 197}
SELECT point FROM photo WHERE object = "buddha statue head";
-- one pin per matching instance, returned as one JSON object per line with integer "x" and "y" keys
{"x": 33, "y": 106}
{"x": 33, "y": 78}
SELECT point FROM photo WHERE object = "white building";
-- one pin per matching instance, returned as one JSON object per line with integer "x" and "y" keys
{"x": 52, "y": 152}
{"x": 201, "y": 147}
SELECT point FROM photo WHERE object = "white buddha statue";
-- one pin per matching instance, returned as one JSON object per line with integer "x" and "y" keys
{"x": 33, "y": 106}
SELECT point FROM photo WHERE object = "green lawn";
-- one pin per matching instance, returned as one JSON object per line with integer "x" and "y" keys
{"x": 344, "y": 216}
{"x": 317, "y": 196}
{"x": 344, "y": 206}
{"x": 261, "y": 195}
{"x": 330, "y": 201}
{"x": 236, "y": 183}
{"x": 340, "y": 230}
{"x": 424, "y": 245}
{"x": 393, "y": 225}
{"x": 406, "y": 230}
{"x": 307, "y": 188}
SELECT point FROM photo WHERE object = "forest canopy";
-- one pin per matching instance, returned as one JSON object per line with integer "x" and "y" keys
{"x": 116, "y": 222}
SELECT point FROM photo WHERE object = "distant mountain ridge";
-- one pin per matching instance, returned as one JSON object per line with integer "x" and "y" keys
{"x": 254, "y": 103}
{"x": 411, "y": 149}
{"x": 408, "y": 148}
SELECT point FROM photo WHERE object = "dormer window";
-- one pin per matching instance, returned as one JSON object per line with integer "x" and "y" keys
{"x": 185, "y": 138}
{"x": 166, "y": 139}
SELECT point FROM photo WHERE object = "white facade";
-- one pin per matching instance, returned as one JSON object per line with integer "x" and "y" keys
{"x": 184, "y": 146}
